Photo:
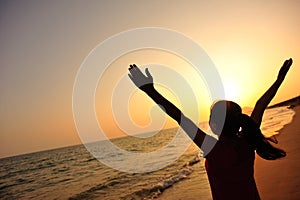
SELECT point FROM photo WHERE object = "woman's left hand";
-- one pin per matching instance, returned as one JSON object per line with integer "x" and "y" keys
{"x": 143, "y": 82}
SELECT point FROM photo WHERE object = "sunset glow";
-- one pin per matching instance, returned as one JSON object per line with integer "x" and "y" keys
{"x": 43, "y": 45}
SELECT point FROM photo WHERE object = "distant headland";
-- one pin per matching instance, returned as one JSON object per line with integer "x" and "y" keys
{"x": 290, "y": 103}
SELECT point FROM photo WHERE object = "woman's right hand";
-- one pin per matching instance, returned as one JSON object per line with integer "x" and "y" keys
{"x": 143, "y": 82}
{"x": 266, "y": 98}
{"x": 284, "y": 69}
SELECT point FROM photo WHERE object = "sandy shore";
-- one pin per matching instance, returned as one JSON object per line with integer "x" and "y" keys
{"x": 276, "y": 180}
{"x": 280, "y": 179}
{"x": 191, "y": 188}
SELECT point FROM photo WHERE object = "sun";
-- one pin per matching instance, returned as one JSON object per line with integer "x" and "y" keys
{"x": 231, "y": 91}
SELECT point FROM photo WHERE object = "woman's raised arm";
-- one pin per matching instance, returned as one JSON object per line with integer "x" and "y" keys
{"x": 266, "y": 98}
{"x": 145, "y": 83}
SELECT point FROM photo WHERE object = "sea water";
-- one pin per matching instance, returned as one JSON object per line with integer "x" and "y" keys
{"x": 73, "y": 173}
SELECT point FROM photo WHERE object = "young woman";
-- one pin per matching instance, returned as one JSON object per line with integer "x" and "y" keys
{"x": 230, "y": 159}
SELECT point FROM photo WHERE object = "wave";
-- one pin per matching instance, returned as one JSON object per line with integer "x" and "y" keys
{"x": 157, "y": 189}
{"x": 88, "y": 194}
{"x": 148, "y": 192}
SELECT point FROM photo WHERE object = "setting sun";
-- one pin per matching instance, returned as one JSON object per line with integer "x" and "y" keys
{"x": 231, "y": 91}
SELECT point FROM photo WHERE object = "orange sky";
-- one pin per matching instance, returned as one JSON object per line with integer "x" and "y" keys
{"x": 43, "y": 45}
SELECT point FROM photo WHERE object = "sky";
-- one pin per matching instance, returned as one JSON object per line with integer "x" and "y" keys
{"x": 44, "y": 43}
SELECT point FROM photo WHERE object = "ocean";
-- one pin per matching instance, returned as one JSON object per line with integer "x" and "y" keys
{"x": 73, "y": 173}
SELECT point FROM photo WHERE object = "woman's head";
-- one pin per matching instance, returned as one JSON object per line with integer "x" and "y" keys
{"x": 225, "y": 117}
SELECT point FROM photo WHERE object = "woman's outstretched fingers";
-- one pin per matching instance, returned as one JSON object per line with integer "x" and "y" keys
{"x": 138, "y": 71}
{"x": 133, "y": 69}
{"x": 284, "y": 69}
{"x": 139, "y": 78}
{"x": 130, "y": 76}
{"x": 130, "y": 67}
{"x": 290, "y": 61}
{"x": 148, "y": 73}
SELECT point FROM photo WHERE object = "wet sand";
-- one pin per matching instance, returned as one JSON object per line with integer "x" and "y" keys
{"x": 280, "y": 179}
{"x": 276, "y": 180}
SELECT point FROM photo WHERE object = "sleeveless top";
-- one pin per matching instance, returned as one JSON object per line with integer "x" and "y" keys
{"x": 230, "y": 170}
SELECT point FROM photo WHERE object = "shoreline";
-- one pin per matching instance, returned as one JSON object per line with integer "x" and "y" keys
{"x": 280, "y": 179}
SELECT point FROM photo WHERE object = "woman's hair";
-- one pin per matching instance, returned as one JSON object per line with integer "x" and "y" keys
{"x": 227, "y": 119}
{"x": 253, "y": 135}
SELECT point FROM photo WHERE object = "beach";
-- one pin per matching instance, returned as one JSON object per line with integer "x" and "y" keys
{"x": 73, "y": 173}
{"x": 279, "y": 179}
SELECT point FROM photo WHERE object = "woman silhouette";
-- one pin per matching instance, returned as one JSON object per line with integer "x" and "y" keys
{"x": 230, "y": 160}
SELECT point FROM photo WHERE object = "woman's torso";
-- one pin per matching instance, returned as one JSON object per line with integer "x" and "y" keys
{"x": 230, "y": 170}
